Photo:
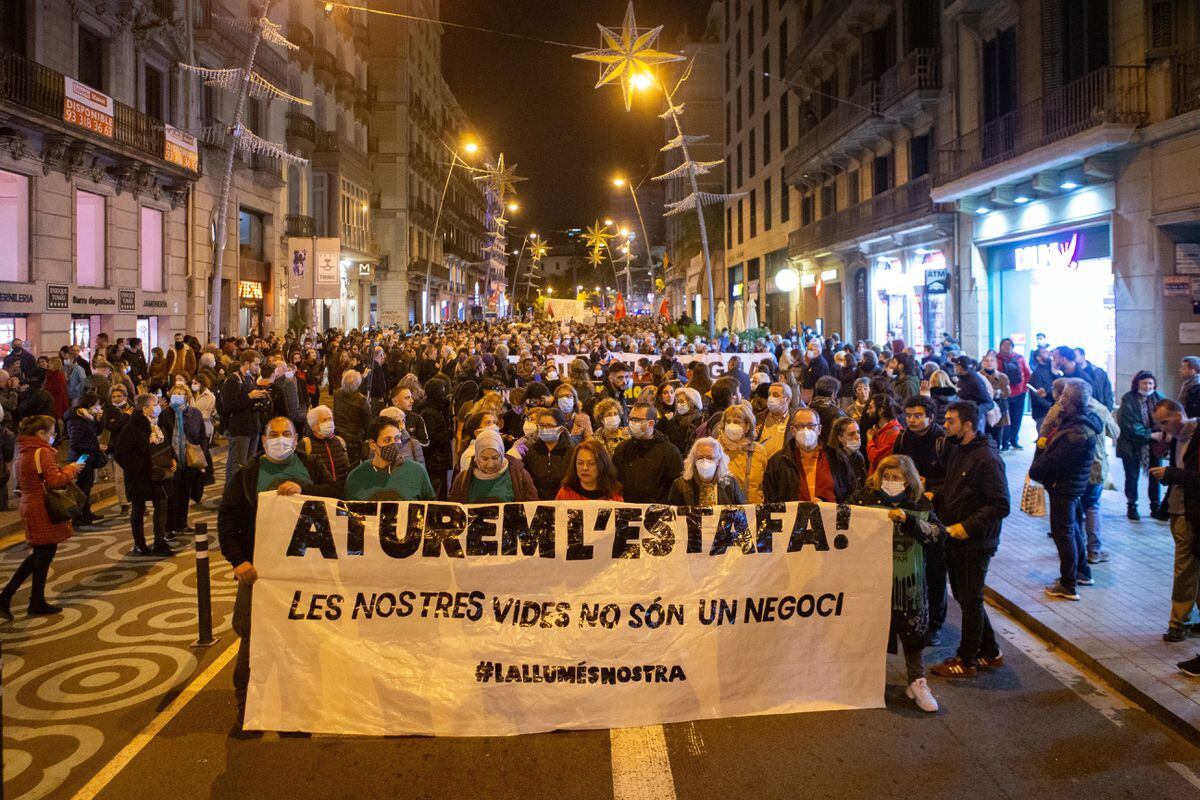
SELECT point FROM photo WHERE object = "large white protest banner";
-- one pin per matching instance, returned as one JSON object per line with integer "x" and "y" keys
{"x": 718, "y": 363}
{"x": 437, "y": 618}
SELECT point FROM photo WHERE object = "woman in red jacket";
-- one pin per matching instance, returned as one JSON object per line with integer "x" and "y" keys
{"x": 55, "y": 382}
{"x": 37, "y": 466}
{"x": 882, "y": 436}
{"x": 590, "y": 475}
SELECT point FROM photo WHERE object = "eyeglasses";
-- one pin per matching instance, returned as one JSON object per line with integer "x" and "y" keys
{"x": 807, "y": 426}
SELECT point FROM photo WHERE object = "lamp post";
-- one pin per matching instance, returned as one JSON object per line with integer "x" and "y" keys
{"x": 619, "y": 182}
{"x": 470, "y": 148}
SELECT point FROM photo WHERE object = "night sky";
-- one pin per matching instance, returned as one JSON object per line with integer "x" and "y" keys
{"x": 536, "y": 104}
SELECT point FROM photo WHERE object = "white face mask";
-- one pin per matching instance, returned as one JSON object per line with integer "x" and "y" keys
{"x": 529, "y": 428}
{"x": 612, "y": 422}
{"x": 640, "y": 429}
{"x": 325, "y": 429}
{"x": 777, "y": 405}
{"x": 280, "y": 448}
{"x": 682, "y": 408}
{"x": 706, "y": 468}
{"x": 807, "y": 439}
{"x": 735, "y": 432}
{"x": 548, "y": 434}
{"x": 852, "y": 444}
{"x": 892, "y": 488}
{"x": 566, "y": 405}
{"x": 551, "y": 376}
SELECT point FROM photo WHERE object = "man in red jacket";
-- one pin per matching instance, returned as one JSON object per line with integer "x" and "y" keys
{"x": 1013, "y": 365}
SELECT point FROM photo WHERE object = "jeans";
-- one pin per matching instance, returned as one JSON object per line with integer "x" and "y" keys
{"x": 1067, "y": 530}
{"x": 935, "y": 580}
{"x": 1016, "y": 410}
{"x": 1090, "y": 502}
{"x": 241, "y": 449}
{"x": 37, "y": 564}
{"x": 1133, "y": 468}
{"x": 1185, "y": 590}
{"x": 968, "y": 573}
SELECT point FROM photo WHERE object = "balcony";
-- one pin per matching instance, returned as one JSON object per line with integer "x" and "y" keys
{"x": 836, "y": 19}
{"x": 1185, "y": 82}
{"x": 911, "y": 85}
{"x": 345, "y": 86}
{"x": 1110, "y": 97}
{"x": 437, "y": 272}
{"x": 29, "y": 85}
{"x": 896, "y": 208}
{"x": 852, "y": 124}
{"x": 301, "y": 127}
{"x": 300, "y": 226}
{"x": 212, "y": 23}
{"x": 324, "y": 67}
{"x": 361, "y": 34}
{"x": 302, "y": 37}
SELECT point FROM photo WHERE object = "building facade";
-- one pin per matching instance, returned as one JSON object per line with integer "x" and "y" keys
{"x": 96, "y": 173}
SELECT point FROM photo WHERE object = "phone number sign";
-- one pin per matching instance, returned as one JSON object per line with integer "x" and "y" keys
{"x": 87, "y": 108}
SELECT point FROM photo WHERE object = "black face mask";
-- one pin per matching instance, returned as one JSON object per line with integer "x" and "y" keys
{"x": 179, "y": 345}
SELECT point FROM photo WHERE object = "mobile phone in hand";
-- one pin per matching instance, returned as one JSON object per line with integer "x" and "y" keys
{"x": 82, "y": 459}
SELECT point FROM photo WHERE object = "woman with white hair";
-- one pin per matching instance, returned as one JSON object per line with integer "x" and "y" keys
{"x": 351, "y": 413}
{"x": 706, "y": 480}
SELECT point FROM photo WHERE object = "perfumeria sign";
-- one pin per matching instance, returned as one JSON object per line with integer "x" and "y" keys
{"x": 1050, "y": 256}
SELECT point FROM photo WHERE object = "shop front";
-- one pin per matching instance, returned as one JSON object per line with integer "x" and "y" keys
{"x": 907, "y": 296}
{"x": 1060, "y": 285}
{"x": 250, "y": 307}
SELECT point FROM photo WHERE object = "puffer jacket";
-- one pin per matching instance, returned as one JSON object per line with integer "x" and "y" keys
{"x": 1064, "y": 467}
{"x": 38, "y": 527}
{"x": 351, "y": 414}
{"x": 647, "y": 467}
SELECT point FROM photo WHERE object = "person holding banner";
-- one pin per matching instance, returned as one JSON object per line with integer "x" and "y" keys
{"x": 493, "y": 477}
{"x": 388, "y": 475}
{"x": 280, "y": 469}
{"x": 706, "y": 480}
{"x": 805, "y": 469}
{"x": 590, "y": 475}
{"x": 648, "y": 463}
{"x": 747, "y": 458}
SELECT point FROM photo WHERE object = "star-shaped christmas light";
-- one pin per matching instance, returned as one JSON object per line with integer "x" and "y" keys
{"x": 628, "y": 56}
{"x": 500, "y": 178}
{"x": 597, "y": 236}
{"x": 595, "y": 257}
{"x": 539, "y": 250}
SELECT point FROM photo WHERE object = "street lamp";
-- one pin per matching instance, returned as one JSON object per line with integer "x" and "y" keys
{"x": 514, "y": 207}
{"x": 620, "y": 181}
{"x": 470, "y": 148}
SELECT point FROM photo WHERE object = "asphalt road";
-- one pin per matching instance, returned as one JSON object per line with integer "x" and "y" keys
{"x": 110, "y": 701}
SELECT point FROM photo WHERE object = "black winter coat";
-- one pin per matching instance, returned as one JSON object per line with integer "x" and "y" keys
{"x": 329, "y": 459}
{"x": 646, "y": 468}
{"x": 974, "y": 387}
{"x": 439, "y": 430}
{"x": 238, "y": 410}
{"x": 928, "y": 451}
{"x": 687, "y": 493}
{"x": 351, "y": 415}
{"x": 975, "y": 494}
{"x": 1042, "y": 378}
{"x": 193, "y": 431}
{"x": 1064, "y": 467}
{"x": 548, "y": 467}
{"x": 83, "y": 432}
{"x": 132, "y": 452}
{"x": 781, "y": 479}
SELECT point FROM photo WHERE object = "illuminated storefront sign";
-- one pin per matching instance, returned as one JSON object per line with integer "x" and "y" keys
{"x": 250, "y": 290}
{"x": 1051, "y": 255}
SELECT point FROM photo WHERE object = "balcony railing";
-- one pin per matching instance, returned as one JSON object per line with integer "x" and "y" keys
{"x": 1185, "y": 89}
{"x": 903, "y": 204}
{"x": 40, "y": 89}
{"x": 215, "y": 16}
{"x": 300, "y": 226}
{"x": 325, "y": 66}
{"x": 846, "y": 114}
{"x": 1107, "y": 95}
{"x": 301, "y": 126}
{"x": 165, "y": 9}
{"x": 812, "y": 33}
{"x": 267, "y": 164}
{"x": 918, "y": 71}
{"x": 327, "y": 141}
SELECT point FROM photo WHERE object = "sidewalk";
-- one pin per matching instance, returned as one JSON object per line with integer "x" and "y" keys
{"x": 1116, "y": 629}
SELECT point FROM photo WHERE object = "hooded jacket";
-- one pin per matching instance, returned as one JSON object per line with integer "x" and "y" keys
{"x": 974, "y": 494}
{"x": 1065, "y": 465}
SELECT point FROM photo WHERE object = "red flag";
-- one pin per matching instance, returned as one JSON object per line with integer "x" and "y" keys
{"x": 550, "y": 310}
{"x": 820, "y": 287}
{"x": 619, "y": 309}
{"x": 663, "y": 310}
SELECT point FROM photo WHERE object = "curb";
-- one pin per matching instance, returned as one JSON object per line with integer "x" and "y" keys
{"x": 1160, "y": 711}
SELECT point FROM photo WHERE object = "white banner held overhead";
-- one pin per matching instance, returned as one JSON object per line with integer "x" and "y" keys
{"x": 415, "y": 618}
{"x": 718, "y": 363}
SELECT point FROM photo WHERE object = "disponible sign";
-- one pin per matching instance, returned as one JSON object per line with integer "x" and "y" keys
{"x": 87, "y": 108}
{"x": 181, "y": 148}
{"x": 502, "y": 619}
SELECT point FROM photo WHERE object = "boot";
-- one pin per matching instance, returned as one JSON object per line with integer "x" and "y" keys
{"x": 5, "y": 607}
{"x": 1159, "y": 513}
{"x": 42, "y": 608}
{"x": 1131, "y": 511}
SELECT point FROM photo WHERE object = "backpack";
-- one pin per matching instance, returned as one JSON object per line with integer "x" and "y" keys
{"x": 1012, "y": 371}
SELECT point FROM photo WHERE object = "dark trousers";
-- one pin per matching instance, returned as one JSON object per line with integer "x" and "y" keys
{"x": 177, "y": 499}
{"x": 1016, "y": 411}
{"x": 1070, "y": 537}
{"x": 137, "y": 516}
{"x": 935, "y": 579}
{"x": 241, "y": 664}
{"x": 968, "y": 574}
{"x": 37, "y": 564}
{"x": 1133, "y": 468}
{"x": 85, "y": 480}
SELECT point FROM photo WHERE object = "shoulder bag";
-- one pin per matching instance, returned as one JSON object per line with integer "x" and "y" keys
{"x": 62, "y": 505}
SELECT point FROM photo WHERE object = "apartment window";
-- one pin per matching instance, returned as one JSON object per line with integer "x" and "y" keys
{"x": 753, "y": 213}
{"x": 354, "y": 215}
{"x": 853, "y": 194}
{"x": 153, "y": 90}
{"x": 12, "y": 37}
{"x": 728, "y": 230}
{"x": 250, "y": 235}
{"x": 918, "y": 156}
{"x": 728, "y": 174}
{"x": 806, "y": 209}
{"x": 753, "y": 154}
{"x": 320, "y": 203}
{"x": 208, "y": 105}
{"x": 783, "y": 47}
{"x": 766, "y": 68}
{"x": 784, "y": 100}
{"x": 829, "y": 199}
{"x": 750, "y": 31}
{"x": 750, "y": 92}
{"x": 739, "y": 165}
{"x": 828, "y": 97}
{"x": 728, "y": 127}
{"x": 785, "y": 200}
{"x": 766, "y": 129}
{"x": 766, "y": 17}
{"x": 14, "y": 228}
{"x": 740, "y": 237}
{"x": 150, "y": 255}
{"x": 882, "y": 175}
{"x": 12, "y": 328}
{"x": 738, "y": 108}
{"x": 999, "y": 75}
{"x": 737, "y": 55}
{"x": 90, "y": 58}
{"x": 89, "y": 239}
{"x": 767, "y": 204}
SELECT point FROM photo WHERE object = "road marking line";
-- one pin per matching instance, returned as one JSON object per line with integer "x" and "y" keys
{"x": 121, "y": 760}
{"x": 641, "y": 766}
{"x": 1186, "y": 773}
{"x": 1069, "y": 672}
{"x": 693, "y": 740}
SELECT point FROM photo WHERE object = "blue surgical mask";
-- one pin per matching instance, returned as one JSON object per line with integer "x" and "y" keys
{"x": 178, "y": 401}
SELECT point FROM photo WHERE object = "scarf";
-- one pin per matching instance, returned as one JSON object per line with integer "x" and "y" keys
{"x": 1144, "y": 409}
{"x": 179, "y": 438}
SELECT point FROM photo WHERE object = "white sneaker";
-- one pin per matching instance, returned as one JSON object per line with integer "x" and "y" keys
{"x": 918, "y": 692}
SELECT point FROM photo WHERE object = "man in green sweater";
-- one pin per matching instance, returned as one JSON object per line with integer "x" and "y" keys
{"x": 387, "y": 476}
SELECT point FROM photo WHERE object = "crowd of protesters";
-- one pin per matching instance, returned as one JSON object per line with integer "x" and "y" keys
{"x": 521, "y": 411}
